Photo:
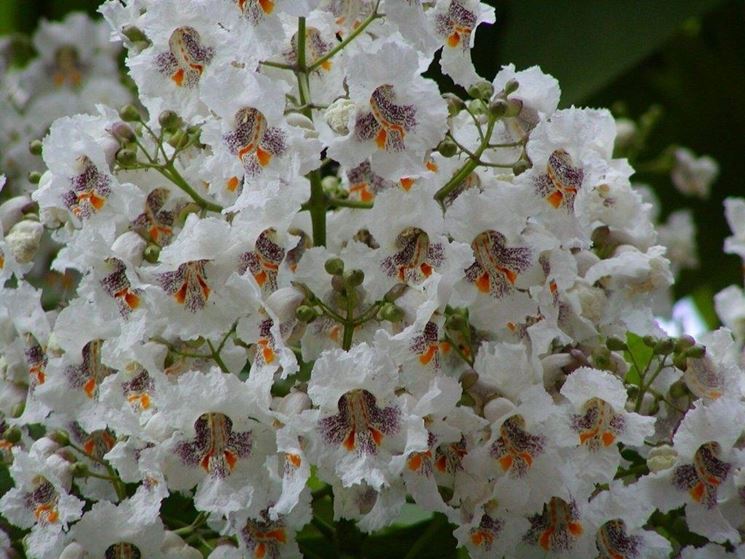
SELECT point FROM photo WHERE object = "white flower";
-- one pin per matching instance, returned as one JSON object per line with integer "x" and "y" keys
{"x": 693, "y": 176}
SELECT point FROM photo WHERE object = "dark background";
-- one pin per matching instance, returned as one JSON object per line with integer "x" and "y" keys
{"x": 687, "y": 56}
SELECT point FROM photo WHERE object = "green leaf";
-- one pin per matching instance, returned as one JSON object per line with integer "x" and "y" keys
{"x": 638, "y": 353}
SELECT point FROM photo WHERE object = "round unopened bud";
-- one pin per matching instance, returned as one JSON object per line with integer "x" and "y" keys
{"x": 306, "y": 313}
{"x": 35, "y": 147}
{"x": 24, "y": 239}
{"x": 34, "y": 177}
{"x": 696, "y": 352}
{"x": 649, "y": 341}
{"x": 169, "y": 121}
{"x": 661, "y": 458}
{"x": 178, "y": 139}
{"x": 391, "y": 312}
{"x": 126, "y": 156}
{"x": 295, "y": 403}
{"x": 514, "y": 107}
{"x": 468, "y": 379}
{"x": 334, "y": 266}
{"x": 684, "y": 342}
{"x": 664, "y": 347}
{"x": 129, "y": 113}
{"x": 60, "y": 437}
{"x": 18, "y": 409}
{"x": 477, "y": 107}
{"x": 353, "y": 278}
{"x": 337, "y": 115}
{"x": 455, "y": 104}
{"x": 79, "y": 469}
{"x": 134, "y": 33}
{"x": 481, "y": 90}
{"x": 615, "y": 344}
{"x": 337, "y": 284}
{"x": 447, "y": 148}
{"x": 151, "y": 253}
{"x": 680, "y": 361}
{"x": 510, "y": 87}
{"x": 678, "y": 389}
{"x": 520, "y": 167}
{"x": 498, "y": 107}
{"x": 12, "y": 435}
{"x": 123, "y": 132}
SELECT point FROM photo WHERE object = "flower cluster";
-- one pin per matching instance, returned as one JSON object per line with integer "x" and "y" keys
{"x": 306, "y": 279}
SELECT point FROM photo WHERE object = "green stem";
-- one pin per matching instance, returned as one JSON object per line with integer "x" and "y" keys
{"x": 317, "y": 205}
{"x": 468, "y": 167}
{"x": 344, "y": 203}
{"x": 348, "y": 334}
{"x": 279, "y": 65}
{"x": 348, "y": 39}
{"x": 217, "y": 358}
{"x": 169, "y": 171}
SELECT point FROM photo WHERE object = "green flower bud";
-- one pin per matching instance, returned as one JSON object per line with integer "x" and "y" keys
{"x": 521, "y": 166}
{"x": 337, "y": 284}
{"x": 12, "y": 435}
{"x": 456, "y": 322}
{"x": 334, "y": 266}
{"x": 680, "y": 361}
{"x": 447, "y": 148}
{"x": 126, "y": 157}
{"x": 664, "y": 347}
{"x": 455, "y": 104}
{"x": 395, "y": 292}
{"x": 679, "y": 389}
{"x": 170, "y": 121}
{"x": 481, "y": 90}
{"x": 514, "y": 107}
{"x": 122, "y": 132}
{"x": 306, "y": 313}
{"x": 353, "y": 278}
{"x": 34, "y": 177}
{"x": 510, "y": 87}
{"x": 60, "y": 437}
{"x": 696, "y": 352}
{"x": 649, "y": 341}
{"x": 391, "y": 313}
{"x": 151, "y": 253}
{"x": 178, "y": 139}
{"x": 18, "y": 409}
{"x": 498, "y": 107}
{"x": 477, "y": 107}
{"x": 80, "y": 469}
{"x": 683, "y": 343}
{"x": 129, "y": 113}
{"x": 616, "y": 344}
{"x": 35, "y": 147}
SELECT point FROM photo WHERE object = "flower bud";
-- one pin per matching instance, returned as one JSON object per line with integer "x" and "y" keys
{"x": 616, "y": 344}
{"x": 337, "y": 284}
{"x": 179, "y": 139}
{"x": 73, "y": 551}
{"x": 34, "y": 177}
{"x": 680, "y": 361}
{"x": 514, "y": 107}
{"x": 330, "y": 185}
{"x": 169, "y": 121}
{"x": 353, "y": 278}
{"x": 521, "y": 166}
{"x": 481, "y": 90}
{"x": 129, "y": 113}
{"x": 649, "y": 341}
{"x": 456, "y": 322}
{"x": 122, "y": 132}
{"x": 129, "y": 246}
{"x": 18, "y": 409}
{"x": 395, "y": 292}
{"x": 151, "y": 253}
{"x": 696, "y": 352}
{"x": 60, "y": 437}
{"x": 663, "y": 347}
{"x": 295, "y": 403}
{"x": 24, "y": 239}
{"x": 12, "y": 435}
{"x": 683, "y": 343}
{"x": 334, "y": 266}
{"x": 126, "y": 157}
{"x": 468, "y": 379}
{"x": 35, "y": 147}
{"x": 477, "y": 107}
{"x": 306, "y": 313}
{"x": 510, "y": 87}
{"x": 447, "y": 148}
{"x": 11, "y": 211}
{"x": 498, "y": 407}
{"x": 337, "y": 115}
{"x": 80, "y": 469}
{"x": 391, "y": 313}
{"x": 455, "y": 104}
{"x": 498, "y": 107}
{"x": 678, "y": 389}
{"x": 661, "y": 458}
